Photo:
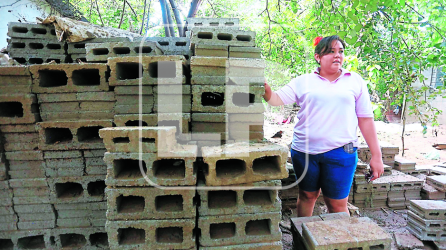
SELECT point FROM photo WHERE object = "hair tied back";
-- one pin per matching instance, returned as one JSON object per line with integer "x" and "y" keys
{"x": 317, "y": 40}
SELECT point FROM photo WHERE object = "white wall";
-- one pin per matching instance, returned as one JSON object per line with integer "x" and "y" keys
{"x": 23, "y": 10}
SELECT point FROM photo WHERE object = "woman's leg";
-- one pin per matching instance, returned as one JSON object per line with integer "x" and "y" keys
{"x": 336, "y": 206}
{"x": 305, "y": 202}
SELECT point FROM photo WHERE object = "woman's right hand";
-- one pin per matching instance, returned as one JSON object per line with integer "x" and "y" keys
{"x": 268, "y": 92}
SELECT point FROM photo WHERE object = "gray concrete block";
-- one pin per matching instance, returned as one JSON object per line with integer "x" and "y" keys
{"x": 79, "y": 47}
{"x": 32, "y": 239}
{"x": 98, "y": 161}
{"x": 26, "y": 174}
{"x": 50, "y": 216}
{"x": 222, "y": 36}
{"x": 21, "y": 137}
{"x": 65, "y": 163}
{"x": 426, "y": 225}
{"x": 438, "y": 182}
{"x": 429, "y": 210}
{"x": 31, "y": 30}
{"x": 243, "y": 163}
{"x": 128, "y": 139}
{"x": 31, "y": 200}
{"x": 125, "y": 70}
{"x": 102, "y": 205}
{"x": 151, "y": 234}
{"x": 80, "y": 238}
{"x": 18, "y": 109}
{"x": 62, "y": 154}
{"x": 105, "y": 96}
{"x": 96, "y": 170}
{"x": 134, "y": 109}
{"x": 8, "y": 226}
{"x": 38, "y": 208}
{"x": 122, "y": 100}
{"x": 94, "y": 152}
{"x": 6, "y": 210}
{"x": 210, "y": 117}
{"x": 440, "y": 245}
{"x": 65, "y": 172}
{"x": 24, "y": 155}
{"x": 229, "y": 23}
{"x": 253, "y": 246}
{"x": 18, "y": 46}
{"x": 239, "y": 229}
{"x": 34, "y": 59}
{"x": 21, "y": 146}
{"x": 170, "y": 45}
{"x": 155, "y": 120}
{"x": 19, "y": 128}
{"x": 430, "y": 193}
{"x": 102, "y": 51}
{"x": 4, "y": 185}
{"x": 133, "y": 90}
{"x": 123, "y": 169}
{"x": 8, "y": 218}
{"x": 32, "y": 225}
{"x": 229, "y": 201}
{"x": 84, "y": 213}
{"x": 245, "y": 52}
{"x": 71, "y": 135}
{"x": 77, "y": 189}
{"x": 31, "y": 192}
{"x": 424, "y": 235}
{"x": 66, "y": 78}
{"x": 211, "y": 50}
{"x": 6, "y": 201}
{"x": 78, "y": 115}
{"x": 150, "y": 203}
{"x": 407, "y": 241}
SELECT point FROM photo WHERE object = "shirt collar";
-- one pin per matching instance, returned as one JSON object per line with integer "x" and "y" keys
{"x": 344, "y": 72}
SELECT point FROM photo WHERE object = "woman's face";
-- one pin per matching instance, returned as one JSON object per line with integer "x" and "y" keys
{"x": 332, "y": 61}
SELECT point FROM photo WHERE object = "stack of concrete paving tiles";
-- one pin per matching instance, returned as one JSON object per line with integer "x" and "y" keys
{"x": 429, "y": 192}
{"x": 239, "y": 203}
{"x": 427, "y": 221}
{"x": 338, "y": 231}
{"x": 31, "y": 43}
{"x": 156, "y": 210}
{"x": 409, "y": 167}
{"x": 388, "y": 152}
{"x": 227, "y": 77}
{"x": 438, "y": 182}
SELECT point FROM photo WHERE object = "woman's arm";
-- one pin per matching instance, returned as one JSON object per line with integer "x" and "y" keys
{"x": 367, "y": 127}
{"x": 271, "y": 97}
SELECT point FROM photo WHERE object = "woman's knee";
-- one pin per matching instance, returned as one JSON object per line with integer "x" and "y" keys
{"x": 308, "y": 196}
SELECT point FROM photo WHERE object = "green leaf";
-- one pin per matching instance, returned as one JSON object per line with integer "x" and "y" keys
{"x": 352, "y": 40}
{"x": 355, "y": 4}
{"x": 342, "y": 34}
{"x": 401, "y": 3}
{"x": 358, "y": 27}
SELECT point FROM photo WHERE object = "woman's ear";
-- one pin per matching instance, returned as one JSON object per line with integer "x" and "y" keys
{"x": 317, "y": 58}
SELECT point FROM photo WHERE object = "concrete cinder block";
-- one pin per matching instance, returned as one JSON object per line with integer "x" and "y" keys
{"x": 174, "y": 169}
{"x": 96, "y": 161}
{"x": 37, "y": 217}
{"x": 228, "y": 23}
{"x": 438, "y": 182}
{"x": 80, "y": 222}
{"x": 170, "y": 45}
{"x": 62, "y": 154}
{"x": 429, "y": 210}
{"x": 65, "y": 163}
{"x": 28, "y": 239}
{"x": 24, "y": 155}
{"x": 19, "y": 128}
{"x": 155, "y": 70}
{"x": 400, "y": 181}
{"x": 105, "y": 96}
{"x": 150, "y": 203}
{"x": 31, "y": 192}
{"x": 21, "y": 146}
{"x": 94, "y": 152}
{"x": 8, "y": 226}
{"x": 134, "y": 109}
{"x": 425, "y": 235}
{"x": 403, "y": 164}
{"x": 426, "y": 225}
{"x": 27, "y": 174}
{"x": 122, "y": 100}
{"x": 32, "y": 225}
{"x": 97, "y": 52}
{"x": 245, "y": 52}
{"x": 37, "y": 208}
{"x": 211, "y": 50}
{"x": 350, "y": 233}
{"x": 65, "y": 172}
{"x": 34, "y": 59}
{"x": 18, "y": 109}
{"x": 127, "y": 139}
{"x": 15, "y": 79}
{"x": 80, "y": 238}
{"x": 209, "y": 70}
{"x": 134, "y": 90}
{"x": 69, "y": 135}
{"x": 222, "y": 36}
{"x": 93, "y": 206}
{"x": 254, "y": 119}
{"x": 151, "y": 234}
{"x": 65, "y": 78}
{"x": 96, "y": 170}
{"x": 31, "y": 30}
{"x": 83, "y": 213}
{"x": 20, "y": 183}
{"x": 20, "y": 137}
{"x": 229, "y": 99}
{"x": 239, "y": 229}
{"x": 181, "y": 121}
{"x": 8, "y": 218}
{"x": 229, "y": 201}
{"x": 430, "y": 193}
{"x": 77, "y": 189}
{"x": 407, "y": 241}
{"x": 18, "y": 46}
{"x": 244, "y": 163}
{"x": 77, "y": 115}
{"x": 388, "y": 148}
{"x": 79, "y": 47}
{"x": 253, "y": 246}
{"x": 6, "y": 210}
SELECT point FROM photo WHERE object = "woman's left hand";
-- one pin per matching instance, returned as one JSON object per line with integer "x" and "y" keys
{"x": 376, "y": 167}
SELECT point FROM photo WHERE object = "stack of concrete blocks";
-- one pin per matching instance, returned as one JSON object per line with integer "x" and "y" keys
{"x": 100, "y": 52}
{"x": 369, "y": 195}
{"x": 290, "y": 189}
{"x": 429, "y": 192}
{"x": 31, "y": 43}
{"x": 438, "y": 182}
{"x": 227, "y": 77}
{"x": 408, "y": 167}
{"x": 164, "y": 91}
{"x": 388, "y": 152}
{"x": 156, "y": 210}
{"x": 427, "y": 220}
{"x": 78, "y": 51}
{"x": 403, "y": 188}
{"x": 179, "y": 46}
{"x": 239, "y": 203}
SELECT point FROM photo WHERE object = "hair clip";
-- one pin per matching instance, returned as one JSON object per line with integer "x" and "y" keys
{"x": 317, "y": 40}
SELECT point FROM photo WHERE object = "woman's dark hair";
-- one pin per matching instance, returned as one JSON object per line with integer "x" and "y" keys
{"x": 324, "y": 46}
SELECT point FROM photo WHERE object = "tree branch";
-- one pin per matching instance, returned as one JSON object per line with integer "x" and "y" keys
{"x": 165, "y": 19}
{"x": 148, "y": 17}
{"x": 10, "y": 4}
{"x": 122, "y": 15}
{"x": 215, "y": 13}
{"x": 193, "y": 8}
{"x": 134, "y": 13}
{"x": 143, "y": 17}
{"x": 99, "y": 13}
{"x": 176, "y": 14}
{"x": 433, "y": 26}
{"x": 169, "y": 17}
{"x": 91, "y": 7}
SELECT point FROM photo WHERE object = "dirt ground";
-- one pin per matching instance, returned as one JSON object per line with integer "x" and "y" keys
{"x": 417, "y": 147}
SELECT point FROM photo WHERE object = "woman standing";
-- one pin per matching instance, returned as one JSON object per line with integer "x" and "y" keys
{"x": 334, "y": 102}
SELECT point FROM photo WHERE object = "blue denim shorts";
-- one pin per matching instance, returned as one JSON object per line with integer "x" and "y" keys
{"x": 332, "y": 171}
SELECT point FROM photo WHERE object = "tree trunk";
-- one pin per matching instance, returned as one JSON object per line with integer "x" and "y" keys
{"x": 169, "y": 17}
{"x": 176, "y": 13}
{"x": 192, "y": 12}
{"x": 165, "y": 19}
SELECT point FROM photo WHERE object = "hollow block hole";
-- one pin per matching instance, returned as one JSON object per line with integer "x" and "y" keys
{"x": 39, "y": 31}
{"x": 53, "y": 46}
{"x": 6, "y": 244}
{"x": 99, "y": 240}
{"x": 169, "y": 203}
{"x": 136, "y": 123}
{"x": 266, "y": 165}
{"x": 31, "y": 242}
{"x": 11, "y": 109}
{"x": 169, "y": 235}
{"x": 69, "y": 190}
{"x": 89, "y": 134}
{"x": 229, "y": 24}
{"x": 230, "y": 168}
{"x": 258, "y": 227}
{"x": 143, "y": 49}
{"x": 121, "y": 50}
{"x": 36, "y": 46}
{"x": 169, "y": 168}
{"x": 204, "y": 35}
{"x": 35, "y": 61}
{"x": 147, "y": 140}
{"x": 57, "y": 135}
{"x": 162, "y": 69}
{"x": 180, "y": 44}
{"x": 96, "y": 188}
{"x": 50, "y": 59}
{"x": 121, "y": 140}
{"x": 18, "y": 45}
{"x": 53, "y": 32}
{"x": 80, "y": 46}
{"x": 198, "y": 24}
{"x": 243, "y": 38}
{"x": 222, "y": 199}
{"x": 130, "y": 204}
{"x": 213, "y": 24}
{"x": 86, "y": 77}
{"x": 128, "y": 169}
{"x": 224, "y": 37}
{"x": 257, "y": 197}
{"x": 20, "y": 60}
{"x": 131, "y": 236}
{"x": 72, "y": 240}
{"x": 243, "y": 99}
{"x": 20, "y": 30}
{"x": 222, "y": 230}
{"x": 377, "y": 247}
{"x": 52, "y": 78}
{"x": 212, "y": 99}
{"x": 100, "y": 51}
{"x": 127, "y": 71}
